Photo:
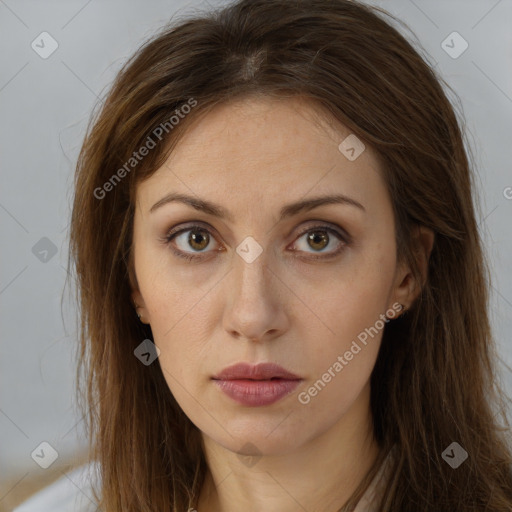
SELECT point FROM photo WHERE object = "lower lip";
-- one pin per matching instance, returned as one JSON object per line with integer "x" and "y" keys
{"x": 257, "y": 392}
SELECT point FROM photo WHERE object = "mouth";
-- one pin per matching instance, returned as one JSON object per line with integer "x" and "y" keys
{"x": 256, "y": 385}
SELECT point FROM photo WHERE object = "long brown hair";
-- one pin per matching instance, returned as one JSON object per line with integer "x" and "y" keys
{"x": 435, "y": 379}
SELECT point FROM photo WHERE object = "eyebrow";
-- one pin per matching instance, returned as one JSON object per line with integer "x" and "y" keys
{"x": 286, "y": 211}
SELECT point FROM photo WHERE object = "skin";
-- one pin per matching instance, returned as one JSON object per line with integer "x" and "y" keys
{"x": 252, "y": 157}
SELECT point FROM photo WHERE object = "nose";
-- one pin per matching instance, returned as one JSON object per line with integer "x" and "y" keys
{"x": 255, "y": 307}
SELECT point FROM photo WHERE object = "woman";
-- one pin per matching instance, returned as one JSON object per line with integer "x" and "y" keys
{"x": 282, "y": 287}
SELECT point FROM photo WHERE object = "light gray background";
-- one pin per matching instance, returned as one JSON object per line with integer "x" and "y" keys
{"x": 44, "y": 108}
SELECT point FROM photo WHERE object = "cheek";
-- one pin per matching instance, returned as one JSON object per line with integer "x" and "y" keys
{"x": 172, "y": 292}
{"x": 182, "y": 329}
{"x": 340, "y": 363}
{"x": 349, "y": 310}
{"x": 181, "y": 324}
{"x": 354, "y": 296}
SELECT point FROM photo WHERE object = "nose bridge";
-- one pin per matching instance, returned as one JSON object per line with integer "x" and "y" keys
{"x": 252, "y": 309}
{"x": 251, "y": 277}
{"x": 251, "y": 259}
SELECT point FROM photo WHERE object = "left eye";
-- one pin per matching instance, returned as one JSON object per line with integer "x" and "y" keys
{"x": 318, "y": 238}
{"x": 198, "y": 238}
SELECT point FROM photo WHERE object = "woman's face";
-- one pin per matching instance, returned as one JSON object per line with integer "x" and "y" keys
{"x": 302, "y": 290}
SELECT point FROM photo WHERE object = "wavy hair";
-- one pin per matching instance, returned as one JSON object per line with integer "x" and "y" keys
{"x": 435, "y": 380}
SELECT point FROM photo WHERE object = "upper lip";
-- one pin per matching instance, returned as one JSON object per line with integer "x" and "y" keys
{"x": 261, "y": 371}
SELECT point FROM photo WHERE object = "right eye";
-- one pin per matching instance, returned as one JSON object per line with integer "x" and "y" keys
{"x": 196, "y": 237}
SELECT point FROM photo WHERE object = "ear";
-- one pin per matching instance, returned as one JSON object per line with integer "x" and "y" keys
{"x": 139, "y": 305}
{"x": 137, "y": 300}
{"x": 406, "y": 288}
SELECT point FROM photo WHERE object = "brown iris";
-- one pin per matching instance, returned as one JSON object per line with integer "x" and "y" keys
{"x": 313, "y": 238}
{"x": 198, "y": 240}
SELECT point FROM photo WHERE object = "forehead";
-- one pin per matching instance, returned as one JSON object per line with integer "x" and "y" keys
{"x": 258, "y": 151}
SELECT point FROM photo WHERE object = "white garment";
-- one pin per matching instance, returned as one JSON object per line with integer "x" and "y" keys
{"x": 70, "y": 493}
{"x": 73, "y": 492}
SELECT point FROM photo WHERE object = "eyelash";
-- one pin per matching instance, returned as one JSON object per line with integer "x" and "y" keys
{"x": 345, "y": 239}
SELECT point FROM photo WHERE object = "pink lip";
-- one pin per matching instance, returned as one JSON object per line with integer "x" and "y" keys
{"x": 256, "y": 385}
{"x": 261, "y": 371}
